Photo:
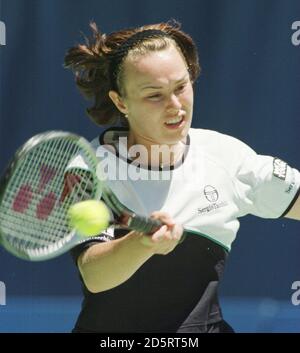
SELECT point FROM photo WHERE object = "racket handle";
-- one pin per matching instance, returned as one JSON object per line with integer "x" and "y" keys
{"x": 143, "y": 224}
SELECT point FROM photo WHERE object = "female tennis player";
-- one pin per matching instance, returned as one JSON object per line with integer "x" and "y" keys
{"x": 141, "y": 81}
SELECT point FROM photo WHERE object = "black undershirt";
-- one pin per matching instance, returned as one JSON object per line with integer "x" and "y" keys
{"x": 169, "y": 293}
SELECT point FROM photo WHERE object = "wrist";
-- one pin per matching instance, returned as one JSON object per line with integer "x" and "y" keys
{"x": 143, "y": 241}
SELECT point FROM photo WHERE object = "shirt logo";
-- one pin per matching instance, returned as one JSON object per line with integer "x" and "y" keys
{"x": 211, "y": 193}
{"x": 279, "y": 168}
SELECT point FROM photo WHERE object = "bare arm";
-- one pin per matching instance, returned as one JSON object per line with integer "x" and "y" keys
{"x": 294, "y": 212}
{"x": 106, "y": 265}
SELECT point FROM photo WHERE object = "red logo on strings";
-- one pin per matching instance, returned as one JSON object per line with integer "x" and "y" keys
{"x": 44, "y": 208}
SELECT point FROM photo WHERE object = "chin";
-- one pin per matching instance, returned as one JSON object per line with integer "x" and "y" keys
{"x": 180, "y": 134}
{"x": 172, "y": 140}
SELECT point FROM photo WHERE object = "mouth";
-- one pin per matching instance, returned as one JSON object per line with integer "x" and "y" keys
{"x": 175, "y": 123}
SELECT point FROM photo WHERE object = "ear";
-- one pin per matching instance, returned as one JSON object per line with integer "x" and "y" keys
{"x": 118, "y": 101}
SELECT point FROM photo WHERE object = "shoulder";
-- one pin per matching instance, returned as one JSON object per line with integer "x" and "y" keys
{"x": 211, "y": 140}
{"x": 223, "y": 149}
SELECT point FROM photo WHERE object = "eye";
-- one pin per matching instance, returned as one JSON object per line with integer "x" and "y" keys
{"x": 180, "y": 88}
{"x": 155, "y": 97}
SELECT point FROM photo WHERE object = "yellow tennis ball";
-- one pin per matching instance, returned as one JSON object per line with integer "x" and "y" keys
{"x": 89, "y": 217}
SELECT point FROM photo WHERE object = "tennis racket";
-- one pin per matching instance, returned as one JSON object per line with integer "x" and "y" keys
{"x": 38, "y": 188}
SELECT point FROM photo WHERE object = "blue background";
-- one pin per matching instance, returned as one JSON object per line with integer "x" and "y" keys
{"x": 249, "y": 88}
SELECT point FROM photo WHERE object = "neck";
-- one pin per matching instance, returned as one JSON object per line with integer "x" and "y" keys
{"x": 154, "y": 154}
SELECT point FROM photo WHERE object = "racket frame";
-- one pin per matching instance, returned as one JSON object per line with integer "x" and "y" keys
{"x": 71, "y": 239}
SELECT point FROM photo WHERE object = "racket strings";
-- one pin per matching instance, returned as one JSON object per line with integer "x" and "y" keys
{"x": 32, "y": 214}
{"x": 30, "y": 175}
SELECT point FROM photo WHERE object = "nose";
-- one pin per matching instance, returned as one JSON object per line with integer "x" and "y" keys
{"x": 174, "y": 104}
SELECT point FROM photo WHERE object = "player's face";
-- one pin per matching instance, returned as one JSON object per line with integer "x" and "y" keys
{"x": 159, "y": 97}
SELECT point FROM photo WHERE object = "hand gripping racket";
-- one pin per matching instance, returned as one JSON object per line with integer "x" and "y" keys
{"x": 37, "y": 190}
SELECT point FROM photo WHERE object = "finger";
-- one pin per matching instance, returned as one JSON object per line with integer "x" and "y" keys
{"x": 176, "y": 232}
{"x": 164, "y": 217}
{"x": 159, "y": 235}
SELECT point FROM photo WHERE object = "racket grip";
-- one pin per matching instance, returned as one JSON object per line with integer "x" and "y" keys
{"x": 144, "y": 224}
